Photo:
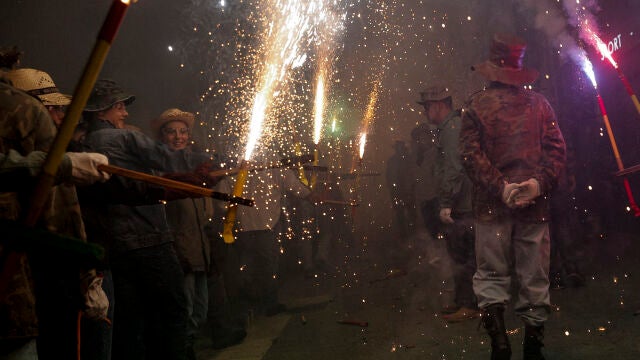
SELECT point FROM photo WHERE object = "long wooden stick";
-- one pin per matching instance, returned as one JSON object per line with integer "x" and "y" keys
{"x": 627, "y": 171}
{"x": 177, "y": 185}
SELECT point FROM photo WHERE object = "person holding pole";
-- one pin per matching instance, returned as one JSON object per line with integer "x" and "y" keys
{"x": 189, "y": 220}
{"x": 126, "y": 216}
{"x": 46, "y": 305}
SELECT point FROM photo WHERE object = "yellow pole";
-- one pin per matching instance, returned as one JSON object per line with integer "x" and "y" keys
{"x": 616, "y": 154}
{"x": 80, "y": 97}
{"x": 314, "y": 174}
{"x": 634, "y": 98}
{"x": 301, "y": 174}
{"x": 230, "y": 219}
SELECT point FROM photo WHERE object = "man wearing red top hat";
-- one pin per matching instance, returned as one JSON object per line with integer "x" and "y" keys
{"x": 513, "y": 151}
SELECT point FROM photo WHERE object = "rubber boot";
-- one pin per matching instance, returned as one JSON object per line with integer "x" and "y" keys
{"x": 533, "y": 336}
{"x": 493, "y": 321}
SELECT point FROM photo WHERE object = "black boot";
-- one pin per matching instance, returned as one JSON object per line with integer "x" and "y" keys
{"x": 532, "y": 345}
{"x": 493, "y": 321}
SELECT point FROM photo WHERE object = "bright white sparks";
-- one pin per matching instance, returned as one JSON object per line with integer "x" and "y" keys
{"x": 363, "y": 141}
{"x": 318, "y": 108}
{"x": 587, "y": 67}
{"x": 288, "y": 26}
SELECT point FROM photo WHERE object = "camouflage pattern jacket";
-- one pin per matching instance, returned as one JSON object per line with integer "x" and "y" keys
{"x": 510, "y": 134}
{"x": 25, "y": 126}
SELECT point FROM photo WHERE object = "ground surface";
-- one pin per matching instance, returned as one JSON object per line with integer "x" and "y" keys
{"x": 400, "y": 305}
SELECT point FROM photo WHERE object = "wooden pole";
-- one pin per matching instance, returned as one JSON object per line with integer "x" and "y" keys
{"x": 176, "y": 185}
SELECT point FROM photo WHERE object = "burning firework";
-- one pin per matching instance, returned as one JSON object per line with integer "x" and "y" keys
{"x": 602, "y": 47}
{"x": 588, "y": 69}
{"x": 289, "y": 25}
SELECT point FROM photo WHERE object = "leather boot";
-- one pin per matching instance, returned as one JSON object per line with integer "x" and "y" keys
{"x": 533, "y": 336}
{"x": 493, "y": 321}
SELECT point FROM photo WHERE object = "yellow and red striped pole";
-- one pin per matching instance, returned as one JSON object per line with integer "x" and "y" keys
{"x": 627, "y": 87}
{"x": 80, "y": 96}
{"x": 616, "y": 154}
{"x": 604, "y": 51}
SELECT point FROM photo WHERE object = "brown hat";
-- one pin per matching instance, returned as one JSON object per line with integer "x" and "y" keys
{"x": 171, "y": 115}
{"x": 434, "y": 93}
{"x": 39, "y": 84}
{"x": 505, "y": 62}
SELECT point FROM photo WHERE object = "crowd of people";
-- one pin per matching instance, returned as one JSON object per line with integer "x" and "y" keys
{"x": 481, "y": 179}
{"x": 497, "y": 178}
{"x": 165, "y": 274}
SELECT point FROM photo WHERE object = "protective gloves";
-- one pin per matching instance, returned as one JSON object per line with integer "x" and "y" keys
{"x": 445, "y": 216}
{"x": 203, "y": 171}
{"x": 84, "y": 168}
{"x": 527, "y": 192}
{"x": 95, "y": 301}
{"x": 509, "y": 191}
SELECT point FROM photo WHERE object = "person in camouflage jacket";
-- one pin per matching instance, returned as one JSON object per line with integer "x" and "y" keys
{"x": 513, "y": 150}
{"x": 26, "y": 133}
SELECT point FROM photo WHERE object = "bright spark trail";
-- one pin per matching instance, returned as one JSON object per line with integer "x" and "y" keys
{"x": 288, "y": 29}
{"x": 602, "y": 47}
{"x": 588, "y": 69}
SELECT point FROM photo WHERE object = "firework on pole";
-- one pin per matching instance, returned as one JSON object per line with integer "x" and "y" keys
{"x": 602, "y": 48}
{"x": 588, "y": 69}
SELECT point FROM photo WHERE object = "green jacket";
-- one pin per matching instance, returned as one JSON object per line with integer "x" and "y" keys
{"x": 456, "y": 189}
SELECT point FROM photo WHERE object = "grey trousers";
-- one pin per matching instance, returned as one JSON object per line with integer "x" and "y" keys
{"x": 502, "y": 245}
{"x": 197, "y": 297}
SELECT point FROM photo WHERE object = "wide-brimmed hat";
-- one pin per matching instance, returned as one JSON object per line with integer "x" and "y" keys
{"x": 105, "y": 94}
{"x": 168, "y": 116}
{"x": 434, "y": 93}
{"x": 39, "y": 84}
{"x": 505, "y": 62}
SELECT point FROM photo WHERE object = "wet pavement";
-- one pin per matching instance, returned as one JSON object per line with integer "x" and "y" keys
{"x": 372, "y": 308}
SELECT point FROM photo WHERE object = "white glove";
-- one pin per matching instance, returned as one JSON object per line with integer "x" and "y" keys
{"x": 96, "y": 303}
{"x": 84, "y": 168}
{"x": 445, "y": 216}
{"x": 509, "y": 193}
{"x": 528, "y": 191}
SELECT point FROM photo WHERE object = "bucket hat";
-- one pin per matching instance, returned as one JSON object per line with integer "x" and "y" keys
{"x": 39, "y": 84}
{"x": 505, "y": 62}
{"x": 105, "y": 94}
{"x": 434, "y": 93}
